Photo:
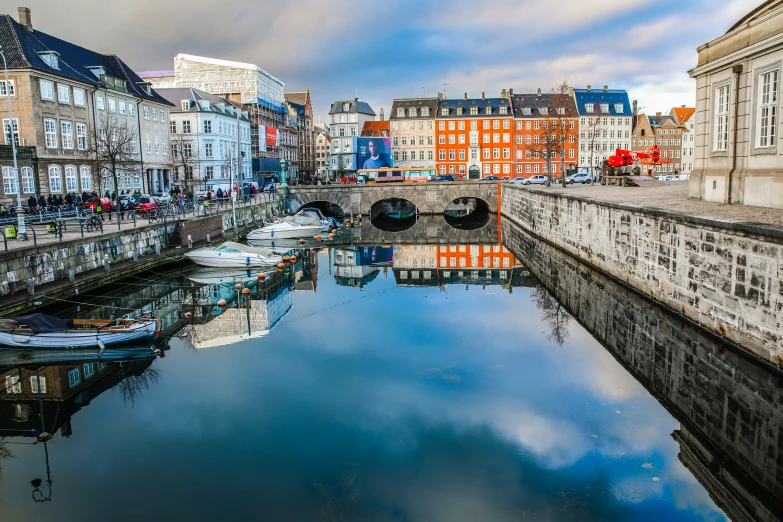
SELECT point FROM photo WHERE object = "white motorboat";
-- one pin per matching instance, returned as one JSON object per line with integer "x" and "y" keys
{"x": 310, "y": 216}
{"x": 44, "y": 332}
{"x": 234, "y": 255}
{"x": 286, "y": 230}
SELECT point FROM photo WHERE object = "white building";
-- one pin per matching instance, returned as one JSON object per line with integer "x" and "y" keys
{"x": 605, "y": 123}
{"x": 738, "y": 155}
{"x": 214, "y": 133}
{"x": 347, "y": 121}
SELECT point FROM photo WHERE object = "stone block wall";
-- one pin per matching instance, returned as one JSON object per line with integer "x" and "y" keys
{"x": 727, "y": 277}
{"x": 726, "y": 401}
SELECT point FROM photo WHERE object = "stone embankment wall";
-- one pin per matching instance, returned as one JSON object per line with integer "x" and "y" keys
{"x": 724, "y": 276}
{"x": 53, "y": 261}
{"x": 730, "y": 407}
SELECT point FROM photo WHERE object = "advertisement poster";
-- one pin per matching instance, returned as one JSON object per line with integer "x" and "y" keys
{"x": 374, "y": 153}
{"x": 262, "y": 138}
{"x": 272, "y": 137}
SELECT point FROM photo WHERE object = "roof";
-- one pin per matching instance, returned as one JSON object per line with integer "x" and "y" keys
{"x": 406, "y": 103}
{"x": 482, "y": 103}
{"x": 657, "y": 121}
{"x": 374, "y": 128}
{"x": 764, "y": 6}
{"x": 22, "y": 47}
{"x": 356, "y": 105}
{"x": 535, "y": 102}
{"x": 226, "y": 63}
{"x": 598, "y": 96}
{"x": 299, "y": 98}
{"x": 175, "y": 95}
{"x": 683, "y": 114}
{"x": 156, "y": 74}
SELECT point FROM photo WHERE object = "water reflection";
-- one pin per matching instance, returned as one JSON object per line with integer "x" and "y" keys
{"x": 377, "y": 397}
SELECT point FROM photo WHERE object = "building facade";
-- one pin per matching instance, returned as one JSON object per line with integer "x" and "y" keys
{"x": 210, "y": 141}
{"x": 738, "y": 154}
{"x": 347, "y": 121}
{"x": 685, "y": 117}
{"x": 537, "y": 118}
{"x": 474, "y": 137}
{"x": 412, "y": 128}
{"x": 605, "y": 124}
{"x": 300, "y": 103}
{"x": 666, "y": 133}
{"x": 323, "y": 146}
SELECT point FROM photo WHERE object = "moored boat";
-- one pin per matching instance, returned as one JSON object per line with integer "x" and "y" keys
{"x": 45, "y": 332}
{"x": 286, "y": 230}
{"x": 234, "y": 255}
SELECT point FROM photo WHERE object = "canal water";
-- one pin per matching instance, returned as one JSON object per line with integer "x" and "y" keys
{"x": 473, "y": 376}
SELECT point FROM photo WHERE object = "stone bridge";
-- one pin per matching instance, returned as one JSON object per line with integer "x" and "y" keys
{"x": 429, "y": 198}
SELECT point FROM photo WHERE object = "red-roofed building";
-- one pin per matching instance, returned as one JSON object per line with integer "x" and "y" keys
{"x": 686, "y": 117}
{"x": 377, "y": 128}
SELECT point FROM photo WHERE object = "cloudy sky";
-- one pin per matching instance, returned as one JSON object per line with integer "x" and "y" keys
{"x": 404, "y": 48}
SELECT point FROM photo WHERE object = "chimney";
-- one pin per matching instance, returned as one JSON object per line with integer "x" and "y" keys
{"x": 539, "y": 92}
{"x": 25, "y": 20}
{"x": 510, "y": 93}
{"x": 589, "y": 87}
{"x": 466, "y": 96}
{"x": 683, "y": 106}
{"x": 482, "y": 96}
{"x": 657, "y": 113}
{"x": 382, "y": 118}
{"x": 606, "y": 88}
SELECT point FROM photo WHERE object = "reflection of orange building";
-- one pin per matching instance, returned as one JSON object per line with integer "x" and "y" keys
{"x": 474, "y": 137}
{"x": 475, "y": 256}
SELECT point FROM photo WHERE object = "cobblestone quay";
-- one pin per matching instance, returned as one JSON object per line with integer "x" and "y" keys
{"x": 724, "y": 273}
{"x": 729, "y": 406}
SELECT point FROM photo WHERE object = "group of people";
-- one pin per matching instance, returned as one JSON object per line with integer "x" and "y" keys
{"x": 57, "y": 201}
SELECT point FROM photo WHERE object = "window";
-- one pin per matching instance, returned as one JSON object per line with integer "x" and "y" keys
{"x": 55, "y": 181}
{"x": 28, "y": 180}
{"x": 50, "y": 130}
{"x": 605, "y": 107}
{"x": 81, "y": 136}
{"x": 89, "y": 370}
{"x": 208, "y": 150}
{"x": 503, "y": 109}
{"x": 166, "y": 147}
{"x": 74, "y": 378}
{"x": 527, "y": 169}
{"x": 487, "y": 153}
{"x": 122, "y": 107}
{"x": 154, "y": 114}
{"x": 618, "y": 107}
{"x": 146, "y": 112}
{"x": 452, "y": 155}
{"x": 131, "y": 109}
{"x": 9, "y": 180}
{"x": 425, "y": 111}
{"x": 63, "y": 94}
{"x": 99, "y": 103}
{"x": 768, "y": 109}
{"x": 444, "y": 111}
{"x": 162, "y": 116}
{"x": 496, "y": 153}
{"x": 47, "y": 90}
{"x": 442, "y": 154}
{"x": 157, "y": 145}
{"x": 412, "y": 112}
{"x": 722, "y": 95}
{"x": 11, "y": 86}
{"x": 70, "y": 180}
{"x": 488, "y": 110}
{"x": 86, "y": 178}
{"x": 7, "y": 131}
{"x": 112, "y": 105}
{"x": 12, "y": 384}
{"x": 207, "y": 126}
{"x": 67, "y": 133}
{"x": 186, "y": 127}
{"x": 589, "y": 107}
{"x": 149, "y": 145}
{"x": 486, "y": 169}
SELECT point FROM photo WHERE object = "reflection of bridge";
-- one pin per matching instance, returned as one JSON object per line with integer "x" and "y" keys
{"x": 507, "y": 278}
{"x": 731, "y": 434}
{"x": 429, "y": 198}
{"x": 427, "y": 230}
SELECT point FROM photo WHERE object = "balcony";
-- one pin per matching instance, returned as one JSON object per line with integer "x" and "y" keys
{"x": 22, "y": 153}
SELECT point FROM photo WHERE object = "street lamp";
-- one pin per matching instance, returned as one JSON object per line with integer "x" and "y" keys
{"x": 282, "y": 173}
{"x": 21, "y": 232}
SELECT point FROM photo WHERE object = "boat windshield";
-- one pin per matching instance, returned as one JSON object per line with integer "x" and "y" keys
{"x": 224, "y": 248}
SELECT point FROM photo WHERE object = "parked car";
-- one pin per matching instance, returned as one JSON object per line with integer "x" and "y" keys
{"x": 445, "y": 177}
{"x": 535, "y": 180}
{"x": 491, "y": 178}
{"x": 145, "y": 204}
{"x": 348, "y": 179}
{"x": 582, "y": 178}
{"x": 519, "y": 181}
{"x": 105, "y": 205}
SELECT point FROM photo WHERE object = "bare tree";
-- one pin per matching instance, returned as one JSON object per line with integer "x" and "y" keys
{"x": 593, "y": 132}
{"x": 553, "y": 313}
{"x": 114, "y": 144}
{"x": 136, "y": 381}
{"x": 184, "y": 159}
{"x": 564, "y": 121}
{"x": 547, "y": 142}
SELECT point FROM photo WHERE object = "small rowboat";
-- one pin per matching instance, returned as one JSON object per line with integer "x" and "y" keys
{"x": 44, "y": 332}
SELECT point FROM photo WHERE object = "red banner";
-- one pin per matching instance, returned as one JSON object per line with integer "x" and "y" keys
{"x": 272, "y": 137}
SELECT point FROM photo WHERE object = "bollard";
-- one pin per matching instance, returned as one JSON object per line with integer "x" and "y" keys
{"x": 209, "y": 239}
{"x": 71, "y": 276}
{"x": 30, "y": 287}
{"x": 190, "y": 241}
{"x": 157, "y": 249}
{"x": 106, "y": 263}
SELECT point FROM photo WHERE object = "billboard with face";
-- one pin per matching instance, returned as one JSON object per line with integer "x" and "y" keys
{"x": 374, "y": 153}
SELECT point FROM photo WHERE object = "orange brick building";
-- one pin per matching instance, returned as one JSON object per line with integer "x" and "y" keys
{"x": 475, "y": 257}
{"x": 535, "y": 117}
{"x": 474, "y": 137}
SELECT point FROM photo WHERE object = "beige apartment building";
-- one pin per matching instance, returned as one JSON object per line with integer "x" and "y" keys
{"x": 412, "y": 123}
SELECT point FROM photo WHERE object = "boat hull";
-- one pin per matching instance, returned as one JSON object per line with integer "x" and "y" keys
{"x": 292, "y": 233}
{"x": 214, "y": 259}
{"x": 65, "y": 340}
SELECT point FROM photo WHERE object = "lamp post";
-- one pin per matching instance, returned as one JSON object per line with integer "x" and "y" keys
{"x": 282, "y": 173}
{"x": 22, "y": 231}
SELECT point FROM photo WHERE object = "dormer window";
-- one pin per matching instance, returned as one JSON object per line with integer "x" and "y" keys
{"x": 205, "y": 104}
{"x": 185, "y": 104}
{"x": 146, "y": 86}
{"x": 444, "y": 111}
{"x": 412, "y": 112}
{"x": 474, "y": 111}
{"x": 459, "y": 111}
{"x": 561, "y": 111}
{"x": 503, "y": 110}
{"x": 526, "y": 111}
{"x": 488, "y": 110}
{"x": 425, "y": 111}
{"x": 618, "y": 107}
{"x": 51, "y": 58}
{"x": 98, "y": 71}
{"x": 604, "y": 107}
{"x": 544, "y": 111}
{"x": 400, "y": 113}
{"x": 589, "y": 107}
{"x": 346, "y": 106}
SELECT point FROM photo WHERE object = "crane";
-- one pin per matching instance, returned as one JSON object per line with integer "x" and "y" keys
{"x": 624, "y": 163}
